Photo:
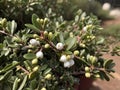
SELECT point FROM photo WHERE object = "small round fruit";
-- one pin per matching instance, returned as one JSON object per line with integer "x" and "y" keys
{"x": 63, "y": 58}
{"x": 45, "y": 33}
{"x": 35, "y": 61}
{"x": 34, "y": 42}
{"x": 39, "y": 54}
{"x": 76, "y": 52}
{"x": 35, "y": 68}
{"x": 48, "y": 76}
{"x": 43, "y": 88}
{"x": 59, "y": 46}
{"x": 47, "y": 46}
{"x": 46, "y": 20}
{"x": 85, "y": 28}
{"x": 93, "y": 59}
{"x": 38, "y": 20}
{"x": 41, "y": 21}
{"x": 35, "y": 36}
{"x": 67, "y": 64}
{"x": 68, "y": 57}
{"x": 72, "y": 62}
{"x": 50, "y": 35}
{"x": 88, "y": 75}
{"x": 97, "y": 76}
{"x": 87, "y": 69}
{"x": 29, "y": 50}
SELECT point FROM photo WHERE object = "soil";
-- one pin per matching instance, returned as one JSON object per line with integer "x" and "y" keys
{"x": 114, "y": 83}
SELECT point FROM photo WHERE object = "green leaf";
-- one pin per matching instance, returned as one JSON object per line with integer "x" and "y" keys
{"x": 70, "y": 42}
{"x": 103, "y": 75}
{"x": 76, "y": 18}
{"x": 1, "y": 46}
{"x": 61, "y": 37}
{"x": 107, "y": 63}
{"x": 43, "y": 67}
{"x": 47, "y": 71}
{"x": 9, "y": 66}
{"x": 12, "y": 27}
{"x": 6, "y": 75}
{"x": 67, "y": 52}
{"x": 23, "y": 83}
{"x": 34, "y": 21}
{"x": 33, "y": 84}
{"x": 29, "y": 56}
{"x": 15, "y": 84}
{"x": 30, "y": 26}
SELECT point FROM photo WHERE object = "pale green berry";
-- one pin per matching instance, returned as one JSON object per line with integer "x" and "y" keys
{"x": 46, "y": 20}
{"x": 76, "y": 52}
{"x": 48, "y": 76}
{"x": 35, "y": 61}
{"x": 68, "y": 57}
{"x": 41, "y": 21}
{"x": 35, "y": 36}
{"x": 93, "y": 59}
{"x": 97, "y": 76}
{"x": 47, "y": 46}
{"x": 87, "y": 69}
{"x": 87, "y": 75}
{"x": 82, "y": 45}
{"x": 38, "y": 20}
{"x": 35, "y": 68}
{"x": 50, "y": 35}
{"x": 43, "y": 88}
{"x": 29, "y": 50}
{"x": 45, "y": 33}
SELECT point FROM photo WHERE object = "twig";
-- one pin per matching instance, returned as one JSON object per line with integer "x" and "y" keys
{"x": 3, "y": 32}
{"x": 20, "y": 67}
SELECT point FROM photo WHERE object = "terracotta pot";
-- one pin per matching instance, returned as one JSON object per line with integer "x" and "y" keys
{"x": 85, "y": 83}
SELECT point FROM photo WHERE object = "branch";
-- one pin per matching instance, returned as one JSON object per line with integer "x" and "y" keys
{"x": 20, "y": 67}
{"x": 3, "y": 32}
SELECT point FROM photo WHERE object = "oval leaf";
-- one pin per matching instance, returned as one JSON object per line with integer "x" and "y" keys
{"x": 30, "y": 26}
{"x": 29, "y": 56}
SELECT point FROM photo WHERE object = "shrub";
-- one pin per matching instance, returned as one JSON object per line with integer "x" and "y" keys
{"x": 51, "y": 53}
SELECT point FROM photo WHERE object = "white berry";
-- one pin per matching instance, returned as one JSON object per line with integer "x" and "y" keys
{"x": 39, "y": 54}
{"x": 34, "y": 42}
{"x": 67, "y": 64}
{"x": 63, "y": 58}
{"x": 85, "y": 28}
{"x": 72, "y": 62}
{"x": 59, "y": 46}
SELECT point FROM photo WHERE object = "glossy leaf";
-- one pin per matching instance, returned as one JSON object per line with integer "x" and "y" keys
{"x": 48, "y": 70}
{"x": 15, "y": 84}
{"x": 9, "y": 66}
{"x": 29, "y": 56}
{"x": 61, "y": 37}
{"x": 34, "y": 21}
{"x": 23, "y": 83}
{"x": 30, "y": 26}
{"x": 6, "y": 75}
{"x": 70, "y": 42}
